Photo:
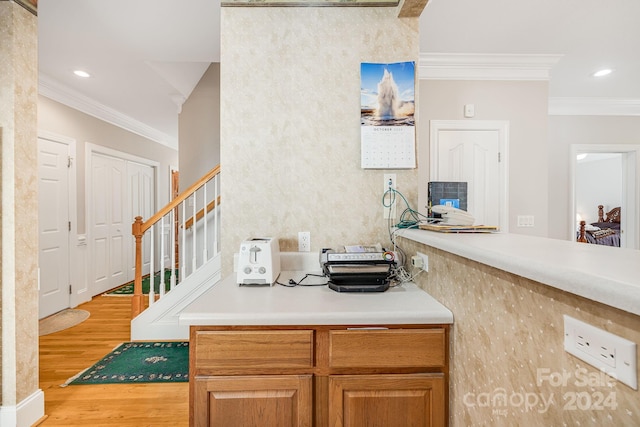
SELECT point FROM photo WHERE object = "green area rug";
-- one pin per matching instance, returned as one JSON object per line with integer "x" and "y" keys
{"x": 139, "y": 362}
{"x": 127, "y": 288}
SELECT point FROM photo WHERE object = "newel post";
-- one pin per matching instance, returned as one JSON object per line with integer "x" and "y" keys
{"x": 136, "y": 302}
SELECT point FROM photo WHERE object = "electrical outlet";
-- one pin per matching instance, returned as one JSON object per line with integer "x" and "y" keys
{"x": 525, "y": 221}
{"x": 608, "y": 352}
{"x": 390, "y": 181}
{"x": 390, "y": 199}
{"x": 420, "y": 261}
{"x": 304, "y": 241}
{"x": 425, "y": 261}
{"x": 416, "y": 261}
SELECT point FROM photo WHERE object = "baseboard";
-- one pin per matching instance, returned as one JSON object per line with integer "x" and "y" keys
{"x": 25, "y": 413}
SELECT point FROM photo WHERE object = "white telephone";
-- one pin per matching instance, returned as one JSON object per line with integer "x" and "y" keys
{"x": 453, "y": 216}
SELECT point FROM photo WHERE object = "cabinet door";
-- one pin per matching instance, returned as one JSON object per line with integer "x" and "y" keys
{"x": 260, "y": 401}
{"x": 412, "y": 400}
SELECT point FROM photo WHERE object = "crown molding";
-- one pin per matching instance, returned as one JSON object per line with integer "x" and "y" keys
{"x": 478, "y": 66}
{"x": 594, "y": 107}
{"x": 52, "y": 89}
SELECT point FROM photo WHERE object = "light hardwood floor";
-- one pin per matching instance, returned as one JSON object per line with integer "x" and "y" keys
{"x": 65, "y": 353}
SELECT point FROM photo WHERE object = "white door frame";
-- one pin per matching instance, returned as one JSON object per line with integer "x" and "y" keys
{"x": 92, "y": 149}
{"x": 77, "y": 245}
{"x": 630, "y": 205}
{"x": 500, "y": 126}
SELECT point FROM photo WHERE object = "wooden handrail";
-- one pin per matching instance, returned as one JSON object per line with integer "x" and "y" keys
{"x": 139, "y": 227}
{"x": 210, "y": 206}
{"x": 181, "y": 198}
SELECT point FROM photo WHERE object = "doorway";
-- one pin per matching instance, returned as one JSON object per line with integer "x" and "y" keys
{"x": 614, "y": 179}
{"x": 474, "y": 152}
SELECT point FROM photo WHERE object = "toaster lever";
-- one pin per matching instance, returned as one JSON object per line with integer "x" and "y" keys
{"x": 254, "y": 254}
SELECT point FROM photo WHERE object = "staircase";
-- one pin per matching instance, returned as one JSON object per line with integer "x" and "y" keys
{"x": 183, "y": 238}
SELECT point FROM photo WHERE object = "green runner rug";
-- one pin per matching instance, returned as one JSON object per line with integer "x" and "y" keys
{"x": 139, "y": 362}
{"x": 127, "y": 288}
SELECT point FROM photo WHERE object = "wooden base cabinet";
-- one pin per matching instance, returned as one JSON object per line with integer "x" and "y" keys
{"x": 414, "y": 400}
{"x": 284, "y": 401}
{"x": 319, "y": 376}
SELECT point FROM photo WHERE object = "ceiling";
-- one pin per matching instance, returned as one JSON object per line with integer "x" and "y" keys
{"x": 146, "y": 56}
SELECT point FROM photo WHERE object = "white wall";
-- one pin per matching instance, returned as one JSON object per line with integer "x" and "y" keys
{"x": 565, "y": 131}
{"x": 199, "y": 128}
{"x": 598, "y": 182}
{"x": 524, "y": 105}
{"x": 65, "y": 121}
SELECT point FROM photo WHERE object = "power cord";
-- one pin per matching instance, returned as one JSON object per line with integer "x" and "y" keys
{"x": 292, "y": 283}
{"x": 409, "y": 218}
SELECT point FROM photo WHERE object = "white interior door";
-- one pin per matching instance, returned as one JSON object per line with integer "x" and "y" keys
{"x": 121, "y": 188}
{"x": 53, "y": 226}
{"x": 141, "y": 190}
{"x": 109, "y": 228}
{"x": 475, "y": 153}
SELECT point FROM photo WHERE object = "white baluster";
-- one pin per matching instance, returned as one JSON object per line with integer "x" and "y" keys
{"x": 183, "y": 247}
{"x": 162, "y": 257}
{"x": 204, "y": 225}
{"x": 172, "y": 276}
{"x": 193, "y": 229}
{"x": 152, "y": 257}
{"x": 215, "y": 216}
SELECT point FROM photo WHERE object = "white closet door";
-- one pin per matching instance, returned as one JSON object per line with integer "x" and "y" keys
{"x": 53, "y": 225}
{"x": 109, "y": 227}
{"x": 141, "y": 191}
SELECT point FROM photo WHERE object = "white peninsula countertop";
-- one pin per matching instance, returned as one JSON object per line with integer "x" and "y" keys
{"x": 227, "y": 303}
{"x": 600, "y": 273}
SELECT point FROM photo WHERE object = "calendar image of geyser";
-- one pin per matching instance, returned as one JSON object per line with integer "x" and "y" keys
{"x": 387, "y": 96}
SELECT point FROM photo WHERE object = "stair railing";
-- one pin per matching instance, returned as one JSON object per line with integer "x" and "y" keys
{"x": 197, "y": 240}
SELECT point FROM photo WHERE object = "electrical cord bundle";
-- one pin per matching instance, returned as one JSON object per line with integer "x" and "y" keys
{"x": 409, "y": 218}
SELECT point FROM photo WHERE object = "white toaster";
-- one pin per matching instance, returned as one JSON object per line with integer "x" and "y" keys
{"x": 258, "y": 261}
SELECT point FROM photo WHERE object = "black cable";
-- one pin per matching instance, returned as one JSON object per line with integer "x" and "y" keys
{"x": 292, "y": 283}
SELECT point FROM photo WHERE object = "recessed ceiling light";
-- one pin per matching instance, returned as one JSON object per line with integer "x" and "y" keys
{"x": 602, "y": 73}
{"x": 81, "y": 73}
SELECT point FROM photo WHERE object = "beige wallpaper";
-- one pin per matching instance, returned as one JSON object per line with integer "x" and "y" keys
{"x": 508, "y": 364}
{"x": 290, "y": 129}
{"x": 18, "y": 123}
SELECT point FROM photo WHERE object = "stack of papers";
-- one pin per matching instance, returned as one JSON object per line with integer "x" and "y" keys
{"x": 459, "y": 228}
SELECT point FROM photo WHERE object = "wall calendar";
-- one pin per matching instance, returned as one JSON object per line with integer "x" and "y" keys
{"x": 387, "y": 123}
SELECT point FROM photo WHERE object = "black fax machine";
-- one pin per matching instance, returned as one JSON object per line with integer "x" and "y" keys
{"x": 359, "y": 271}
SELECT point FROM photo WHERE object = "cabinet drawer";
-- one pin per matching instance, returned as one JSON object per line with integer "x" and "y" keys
{"x": 390, "y": 348}
{"x": 254, "y": 349}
